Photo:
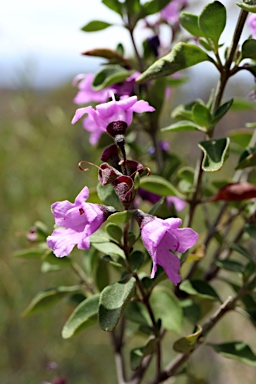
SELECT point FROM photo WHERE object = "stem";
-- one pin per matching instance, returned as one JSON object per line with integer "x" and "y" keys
{"x": 138, "y": 57}
{"x": 227, "y": 306}
{"x": 81, "y": 274}
{"x": 117, "y": 342}
{"x": 224, "y": 76}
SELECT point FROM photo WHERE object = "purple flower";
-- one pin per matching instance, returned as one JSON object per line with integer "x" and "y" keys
{"x": 106, "y": 113}
{"x": 86, "y": 94}
{"x": 160, "y": 237}
{"x": 77, "y": 221}
{"x": 127, "y": 86}
{"x": 252, "y": 24}
{"x": 170, "y": 13}
{"x": 178, "y": 203}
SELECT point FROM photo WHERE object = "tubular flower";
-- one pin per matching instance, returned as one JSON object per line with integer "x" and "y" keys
{"x": 77, "y": 222}
{"x": 170, "y": 13}
{"x": 106, "y": 113}
{"x": 160, "y": 237}
{"x": 86, "y": 94}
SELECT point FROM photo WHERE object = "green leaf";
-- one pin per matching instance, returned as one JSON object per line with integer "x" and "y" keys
{"x": 187, "y": 344}
{"x": 156, "y": 97}
{"x": 31, "y": 253}
{"x": 137, "y": 313}
{"x": 199, "y": 288}
{"x": 95, "y": 25}
{"x": 102, "y": 275}
{"x": 236, "y": 350}
{"x": 114, "y": 5}
{"x": 48, "y": 298}
{"x": 153, "y": 6}
{"x": 242, "y": 250}
{"x": 190, "y": 22}
{"x": 112, "y": 74}
{"x": 247, "y": 158}
{"x": 181, "y": 56}
{"x": 191, "y": 310}
{"x": 112, "y": 56}
{"x": 167, "y": 308}
{"x": 84, "y": 316}
{"x": 183, "y": 125}
{"x": 221, "y": 111}
{"x": 251, "y": 230}
{"x": 113, "y": 300}
{"x": 109, "y": 249}
{"x": 187, "y": 174}
{"x": 114, "y": 231}
{"x": 99, "y": 236}
{"x": 108, "y": 196}
{"x": 214, "y": 153}
{"x": 240, "y": 104}
{"x": 247, "y": 6}
{"x": 159, "y": 185}
{"x": 230, "y": 265}
{"x": 120, "y": 217}
{"x": 249, "y": 49}
{"x": 53, "y": 263}
{"x": 136, "y": 260}
{"x": 183, "y": 111}
{"x": 212, "y": 21}
{"x": 138, "y": 354}
{"x": 201, "y": 115}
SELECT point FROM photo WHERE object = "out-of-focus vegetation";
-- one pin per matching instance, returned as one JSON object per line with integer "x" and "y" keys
{"x": 39, "y": 154}
{"x": 40, "y": 150}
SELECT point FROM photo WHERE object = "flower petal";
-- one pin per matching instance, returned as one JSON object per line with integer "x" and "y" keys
{"x": 62, "y": 241}
{"x": 187, "y": 238}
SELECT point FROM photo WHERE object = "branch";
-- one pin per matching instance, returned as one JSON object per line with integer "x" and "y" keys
{"x": 227, "y": 306}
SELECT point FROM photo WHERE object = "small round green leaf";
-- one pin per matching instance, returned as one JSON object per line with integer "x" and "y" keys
{"x": 201, "y": 115}
{"x": 249, "y": 49}
{"x": 214, "y": 153}
{"x": 114, "y": 231}
{"x": 212, "y": 21}
{"x": 189, "y": 21}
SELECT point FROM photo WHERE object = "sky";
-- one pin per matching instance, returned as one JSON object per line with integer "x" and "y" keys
{"x": 41, "y": 40}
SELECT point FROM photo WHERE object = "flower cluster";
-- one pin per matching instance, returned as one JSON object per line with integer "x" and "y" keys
{"x": 77, "y": 221}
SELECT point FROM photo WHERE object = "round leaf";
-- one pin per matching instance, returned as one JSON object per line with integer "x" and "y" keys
{"x": 212, "y": 21}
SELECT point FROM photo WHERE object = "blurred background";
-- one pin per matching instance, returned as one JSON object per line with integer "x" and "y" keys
{"x": 40, "y": 46}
